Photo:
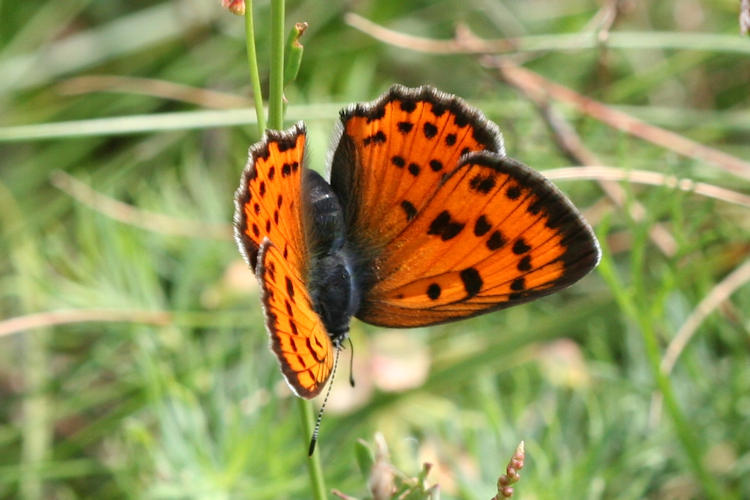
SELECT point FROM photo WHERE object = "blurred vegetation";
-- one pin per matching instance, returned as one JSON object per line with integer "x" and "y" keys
{"x": 157, "y": 381}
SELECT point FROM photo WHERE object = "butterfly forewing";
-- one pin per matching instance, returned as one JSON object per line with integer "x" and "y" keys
{"x": 268, "y": 201}
{"x": 393, "y": 153}
{"x": 495, "y": 234}
{"x": 298, "y": 336}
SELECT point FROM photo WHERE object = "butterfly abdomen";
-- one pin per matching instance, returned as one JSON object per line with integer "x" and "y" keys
{"x": 331, "y": 277}
{"x": 334, "y": 292}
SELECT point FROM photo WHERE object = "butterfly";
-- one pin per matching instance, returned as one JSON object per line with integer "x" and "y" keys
{"x": 425, "y": 220}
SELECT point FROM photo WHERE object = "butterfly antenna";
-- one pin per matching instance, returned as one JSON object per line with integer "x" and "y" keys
{"x": 351, "y": 363}
{"x": 314, "y": 438}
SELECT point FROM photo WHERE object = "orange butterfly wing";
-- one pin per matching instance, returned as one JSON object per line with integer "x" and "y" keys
{"x": 495, "y": 234}
{"x": 268, "y": 201}
{"x": 476, "y": 233}
{"x": 393, "y": 153}
{"x": 298, "y": 337}
{"x": 269, "y": 228}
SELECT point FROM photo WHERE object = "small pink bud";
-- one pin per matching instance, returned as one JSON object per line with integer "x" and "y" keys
{"x": 507, "y": 492}
{"x": 234, "y": 6}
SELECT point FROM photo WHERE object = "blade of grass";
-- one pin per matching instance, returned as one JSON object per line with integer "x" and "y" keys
{"x": 252, "y": 63}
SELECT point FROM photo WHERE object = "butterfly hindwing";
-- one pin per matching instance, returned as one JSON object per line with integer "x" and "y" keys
{"x": 393, "y": 153}
{"x": 268, "y": 201}
{"x": 298, "y": 337}
{"x": 496, "y": 233}
{"x": 269, "y": 227}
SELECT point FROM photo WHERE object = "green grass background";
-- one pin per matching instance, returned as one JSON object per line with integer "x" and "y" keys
{"x": 194, "y": 408}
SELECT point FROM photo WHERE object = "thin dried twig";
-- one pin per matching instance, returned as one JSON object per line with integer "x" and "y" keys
{"x": 536, "y": 83}
{"x": 340, "y": 494}
{"x": 718, "y": 294}
{"x": 128, "y": 214}
{"x": 650, "y": 178}
{"x": 51, "y": 318}
{"x": 429, "y": 45}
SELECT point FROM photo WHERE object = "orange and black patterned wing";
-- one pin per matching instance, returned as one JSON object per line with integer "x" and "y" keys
{"x": 268, "y": 202}
{"x": 298, "y": 337}
{"x": 393, "y": 153}
{"x": 496, "y": 233}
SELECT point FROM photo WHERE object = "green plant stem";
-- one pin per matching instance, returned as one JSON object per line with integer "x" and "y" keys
{"x": 252, "y": 64}
{"x": 313, "y": 464}
{"x": 276, "y": 121}
{"x": 276, "y": 80}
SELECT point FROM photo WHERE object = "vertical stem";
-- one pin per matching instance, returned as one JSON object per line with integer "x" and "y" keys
{"x": 252, "y": 64}
{"x": 276, "y": 121}
{"x": 313, "y": 464}
{"x": 276, "y": 90}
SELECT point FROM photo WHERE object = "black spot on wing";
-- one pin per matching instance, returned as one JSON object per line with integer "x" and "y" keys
{"x": 430, "y": 130}
{"x": 518, "y": 284}
{"x": 513, "y": 192}
{"x": 472, "y": 281}
{"x": 524, "y": 264}
{"x": 405, "y": 127}
{"x": 376, "y": 138}
{"x": 289, "y": 288}
{"x": 286, "y": 143}
{"x": 433, "y": 291}
{"x": 482, "y": 183}
{"x": 408, "y": 105}
{"x": 438, "y": 109}
{"x": 496, "y": 241}
{"x": 409, "y": 209}
{"x": 482, "y": 226}
{"x": 444, "y": 226}
{"x": 520, "y": 247}
{"x": 312, "y": 351}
